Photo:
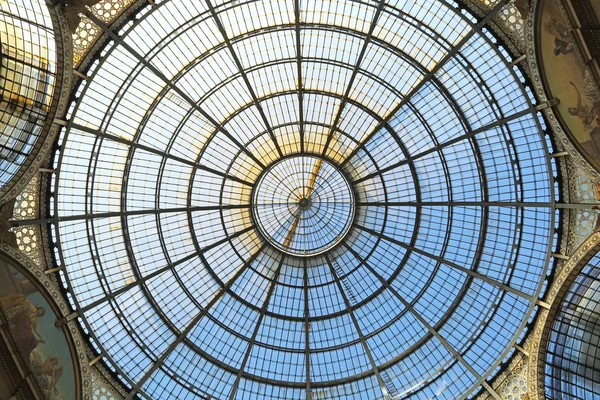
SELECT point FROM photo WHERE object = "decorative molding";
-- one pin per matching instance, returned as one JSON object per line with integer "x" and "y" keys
{"x": 508, "y": 25}
{"x": 105, "y": 386}
{"x": 582, "y": 222}
{"x": 86, "y": 52}
{"x": 27, "y": 207}
{"x": 515, "y": 386}
{"x": 511, "y": 384}
{"x": 511, "y": 22}
{"x": 87, "y": 33}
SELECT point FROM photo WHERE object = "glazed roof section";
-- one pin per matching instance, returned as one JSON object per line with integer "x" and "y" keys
{"x": 455, "y": 200}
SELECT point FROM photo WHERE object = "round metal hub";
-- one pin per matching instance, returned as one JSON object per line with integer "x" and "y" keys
{"x": 303, "y": 205}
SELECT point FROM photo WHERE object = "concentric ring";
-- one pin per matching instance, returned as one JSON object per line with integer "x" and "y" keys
{"x": 185, "y": 130}
{"x": 303, "y": 205}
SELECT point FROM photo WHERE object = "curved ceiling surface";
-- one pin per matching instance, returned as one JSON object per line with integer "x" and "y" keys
{"x": 27, "y": 78}
{"x": 426, "y": 255}
{"x": 572, "y": 358}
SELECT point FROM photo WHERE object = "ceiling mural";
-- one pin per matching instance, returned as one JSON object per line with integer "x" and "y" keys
{"x": 567, "y": 79}
{"x": 41, "y": 343}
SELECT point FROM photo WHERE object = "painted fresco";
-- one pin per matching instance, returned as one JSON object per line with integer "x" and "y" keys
{"x": 568, "y": 80}
{"x": 31, "y": 320}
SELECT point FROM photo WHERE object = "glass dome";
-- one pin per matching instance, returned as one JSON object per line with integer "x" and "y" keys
{"x": 276, "y": 199}
{"x": 27, "y": 78}
{"x": 572, "y": 358}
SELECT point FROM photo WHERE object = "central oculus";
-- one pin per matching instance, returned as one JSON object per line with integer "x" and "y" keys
{"x": 303, "y": 205}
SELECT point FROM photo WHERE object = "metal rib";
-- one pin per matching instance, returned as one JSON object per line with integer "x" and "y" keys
{"x": 182, "y": 336}
{"x": 430, "y": 328}
{"x": 172, "y": 85}
{"x": 460, "y": 268}
{"x": 263, "y": 310}
{"x": 135, "y": 145}
{"x": 453, "y": 51}
{"x": 363, "y": 341}
{"x": 243, "y": 73}
{"x": 342, "y": 105}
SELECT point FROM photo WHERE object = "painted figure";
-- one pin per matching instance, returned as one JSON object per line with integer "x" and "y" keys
{"x": 562, "y": 41}
{"x": 48, "y": 372}
{"x": 590, "y": 111}
{"x": 23, "y": 319}
{"x": 34, "y": 333}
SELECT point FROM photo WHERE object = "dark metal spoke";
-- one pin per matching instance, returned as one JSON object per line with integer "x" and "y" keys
{"x": 186, "y": 331}
{"x": 350, "y": 85}
{"x": 174, "y": 87}
{"x": 135, "y": 145}
{"x": 299, "y": 72}
{"x": 140, "y": 281}
{"x": 430, "y": 76}
{"x": 359, "y": 332}
{"x": 516, "y": 204}
{"x": 143, "y": 279}
{"x": 429, "y": 327}
{"x": 244, "y": 75}
{"x": 451, "y": 264}
{"x": 469, "y": 135}
{"x": 263, "y": 311}
{"x": 129, "y": 213}
{"x": 306, "y": 331}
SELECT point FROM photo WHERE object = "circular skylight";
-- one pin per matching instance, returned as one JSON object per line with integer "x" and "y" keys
{"x": 294, "y": 200}
{"x": 303, "y": 205}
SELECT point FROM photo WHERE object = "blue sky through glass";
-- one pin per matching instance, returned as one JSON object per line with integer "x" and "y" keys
{"x": 450, "y": 176}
